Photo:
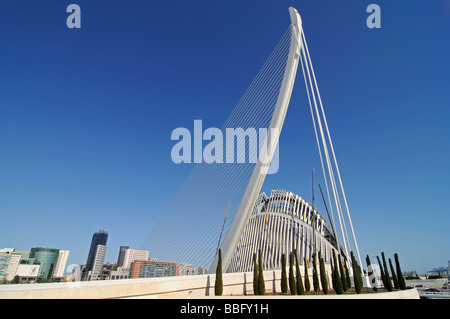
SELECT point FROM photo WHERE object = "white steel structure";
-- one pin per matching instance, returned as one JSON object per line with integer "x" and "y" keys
{"x": 279, "y": 224}
{"x": 259, "y": 172}
{"x": 214, "y": 205}
{"x": 298, "y": 51}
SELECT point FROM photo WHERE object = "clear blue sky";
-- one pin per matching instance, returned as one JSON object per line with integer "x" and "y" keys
{"x": 86, "y": 114}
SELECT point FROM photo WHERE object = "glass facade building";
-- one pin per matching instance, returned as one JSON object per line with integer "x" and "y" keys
{"x": 99, "y": 238}
{"x": 122, "y": 251}
{"x": 47, "y": 257}
{"x": 96, "y": 256}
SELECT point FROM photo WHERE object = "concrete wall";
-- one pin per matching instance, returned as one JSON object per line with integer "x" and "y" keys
{"x": 200, "y": 286}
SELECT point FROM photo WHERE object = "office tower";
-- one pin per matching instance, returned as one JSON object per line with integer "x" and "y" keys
{"x": 151, "y": 268}
{"x": 9, "y": 261}
{"x": 97, "y": 266}
{"x": 131, "y": 255}
{"x": 121, "y": 255}
{"x": 187, "y": 270}
{"x": 202, "y": 270}
{"x": 96, "y": 256}
{"x": 61, "y": 262}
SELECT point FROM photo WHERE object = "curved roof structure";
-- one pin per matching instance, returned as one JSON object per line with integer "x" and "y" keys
{"x": 279, "y": 224}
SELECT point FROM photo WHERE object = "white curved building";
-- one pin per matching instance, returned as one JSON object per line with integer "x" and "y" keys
{"x": 281, "y": 223}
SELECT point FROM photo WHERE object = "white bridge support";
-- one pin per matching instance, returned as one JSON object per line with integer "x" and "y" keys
{"x": 298, "y": 51}
{"x": 244, "y": 210}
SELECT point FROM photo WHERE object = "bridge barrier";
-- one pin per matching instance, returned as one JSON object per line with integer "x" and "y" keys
{"x": 199, "y": 286}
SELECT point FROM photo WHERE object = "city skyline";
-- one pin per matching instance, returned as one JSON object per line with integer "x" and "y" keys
{"x": 86, "y": 115}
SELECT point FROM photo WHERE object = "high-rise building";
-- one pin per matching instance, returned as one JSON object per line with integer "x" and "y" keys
{"x": 187, "y": 270}
{"x": 202, "y": 270}
{"x": 8, "y": 265}
{"x": 131, "y": 255}
{"x": 96, "y": 256}
{"x": 61, "y": 262}
{"x": 38, "y": 264}
{"x": 127, "y": 256}
{"x": 151, "y": 268}
{"x": 121, "y": 255}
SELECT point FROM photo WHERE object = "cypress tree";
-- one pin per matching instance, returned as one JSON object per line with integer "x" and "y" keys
{"x": 356, "y": 274}
{"x": 371, "y": 274}
{"x": 284, "y": 287}
{"x": 315, "y": 275}
{"x": 394, "y": 276}
{"x": 261, "y": 284}
{"x": 323, "y": 275}
{"x": 401, "y": 279}
{"x": 347, "y": 275}
{"x": 345, "y": 285}
{"x": 383, "y": 276}
{"x": 255, "y": 275}
{"x": 386, "y": 274}
{"x": 336, "y": 277}
{"x": 218, "y": 286}
{"x": 292, "y": 283}
{"x": 300, "y": 288}
{"x": 333, "y": 277}
{"x": 307, "y": 283}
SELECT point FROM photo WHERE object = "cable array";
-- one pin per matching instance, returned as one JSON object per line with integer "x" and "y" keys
{"x": 188, "y": 231}
{"x": 326, "y": 151}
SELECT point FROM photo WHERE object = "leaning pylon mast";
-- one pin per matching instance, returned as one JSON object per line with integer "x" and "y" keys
{"x": 261, "y": 167}
{"x": 298, "y": 51}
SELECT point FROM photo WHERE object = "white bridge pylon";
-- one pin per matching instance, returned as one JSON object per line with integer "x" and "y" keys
{"x": 298, "y": 51}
